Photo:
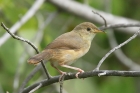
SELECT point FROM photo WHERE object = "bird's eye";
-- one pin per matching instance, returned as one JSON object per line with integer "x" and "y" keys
{"x": 88, "y": 29}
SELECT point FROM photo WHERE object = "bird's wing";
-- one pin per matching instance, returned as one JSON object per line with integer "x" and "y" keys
{"x": 68, "y": 40}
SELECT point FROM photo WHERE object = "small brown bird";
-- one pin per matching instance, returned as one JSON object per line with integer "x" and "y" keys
{"x": 68, "y": 47}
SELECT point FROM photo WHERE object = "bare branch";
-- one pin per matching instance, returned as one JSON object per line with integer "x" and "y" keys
{"x": 38, "y": 67}
{"x": 24, "y": 40}
{"x": 23, "y": 20}
{"x": 85, "y": 11}
{"x": 84, "y": 75}
{"x": 19, "y": 38}
{"x": 28, "y": 50}
{"x": 120, "y": 55}
{"x": 119, "y": 26}
{"x": 91, "y": 73}
{"x": 18, "y": 72}
{"x": 113, "y": 42}
{"x": 57, "y": 88}
{"x": 101, "y": 17}
{"x": 115, "y": 48}
{"x": 61, "y": 83}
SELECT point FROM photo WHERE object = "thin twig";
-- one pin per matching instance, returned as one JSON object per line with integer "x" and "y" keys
{"x": 115, "y": 48}
{"x": 120, "y": 55}
{"x": 18, "y": 38}
{"x": 84, "y": 75}
{"x": 28, "y": 50}
{"x": 36, "y": 40}
{"x": 27, "y": 41}
{"x": 57, "y": 88}
{"x": 29, "y": 14}
{"x": 61, "y": 83}
{"x": 84, "y": 11}
{"x": 29, "y": 77}
{"x": 101, "y": 17}
{"x": 119, "y": 26}
{"x": 18, "y": 72}
{"x": 113, "y": 42}
{"x": 38, "y": 67}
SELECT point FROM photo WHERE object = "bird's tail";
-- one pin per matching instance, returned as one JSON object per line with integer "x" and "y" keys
{"x": 39, "y": 57}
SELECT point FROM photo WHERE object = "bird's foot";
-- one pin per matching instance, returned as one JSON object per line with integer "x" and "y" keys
{"x": 79, "y": 72}
{"x": 62, "y": 76}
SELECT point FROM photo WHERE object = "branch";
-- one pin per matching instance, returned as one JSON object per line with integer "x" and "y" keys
{"x": 113, "y": 42}
{"x": 22, "y": 21}
{"x": 85, "y": 11}
{"x": 24, "y": 40}
{"x": 84, "y": 75}
{"x": 115, "y": 48}
{"x": 101, "y": 17}
{"x": 19, "y": 38}
{"x": 61, "y": 84}
{"x": 26, "y": 80}
{"x": 30, "y": 51}
{"x": 120, "y": 55}
{"x": 38, "y": 67}
{"x": 89, "y": 74}
{"x": 119, "y": 26}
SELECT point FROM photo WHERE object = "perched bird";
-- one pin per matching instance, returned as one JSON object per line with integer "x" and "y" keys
{"x": 68, "y": 47}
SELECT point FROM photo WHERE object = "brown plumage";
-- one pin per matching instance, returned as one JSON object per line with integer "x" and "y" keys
{"x": 68, "y": 47}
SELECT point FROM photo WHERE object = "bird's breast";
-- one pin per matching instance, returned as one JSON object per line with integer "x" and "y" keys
{"x": 67, "y": 57}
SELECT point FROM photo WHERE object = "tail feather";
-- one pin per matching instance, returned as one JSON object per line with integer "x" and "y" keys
{"x": 38, "y": 58}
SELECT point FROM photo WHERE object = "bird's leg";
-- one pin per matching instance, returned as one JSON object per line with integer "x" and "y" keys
{"x": 74, "y": 68}
{"x": 61, "y": 72}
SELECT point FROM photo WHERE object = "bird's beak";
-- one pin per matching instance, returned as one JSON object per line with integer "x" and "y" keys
{"x": 98, "y": 31}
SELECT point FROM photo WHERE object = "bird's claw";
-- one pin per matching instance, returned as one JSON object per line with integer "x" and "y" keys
{"x": 80, "y": 71}
{"x": 62, "y": 75}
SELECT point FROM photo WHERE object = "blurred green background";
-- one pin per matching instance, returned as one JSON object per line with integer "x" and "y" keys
{"x": 14, "y": 54}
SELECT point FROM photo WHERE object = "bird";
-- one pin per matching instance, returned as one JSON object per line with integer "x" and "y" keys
{"x": 68, "y": 47}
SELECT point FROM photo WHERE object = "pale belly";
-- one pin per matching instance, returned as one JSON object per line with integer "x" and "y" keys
{"x": 67, "y": 57}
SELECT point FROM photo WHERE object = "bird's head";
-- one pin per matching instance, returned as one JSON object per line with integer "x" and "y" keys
{"x": 86, "y": 30}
